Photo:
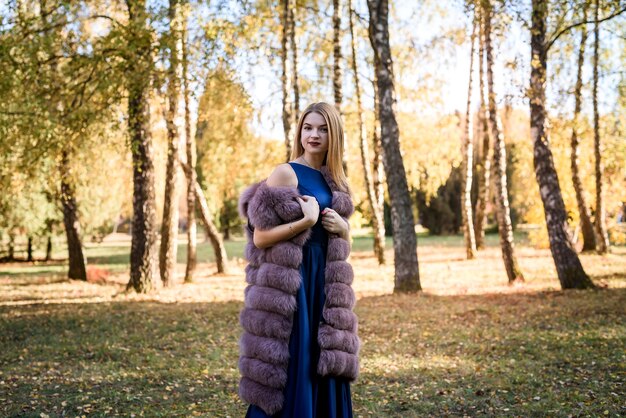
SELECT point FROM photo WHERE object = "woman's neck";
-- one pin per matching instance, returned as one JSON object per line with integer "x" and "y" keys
{"x": 314, "y": 161}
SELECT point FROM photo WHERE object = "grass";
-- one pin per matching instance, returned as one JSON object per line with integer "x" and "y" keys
{"x": 469, "y": 345}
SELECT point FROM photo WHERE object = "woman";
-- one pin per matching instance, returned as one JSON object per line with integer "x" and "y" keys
{"x": 299, "y": 349}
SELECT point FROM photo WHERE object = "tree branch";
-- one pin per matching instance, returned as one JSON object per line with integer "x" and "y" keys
{"x": 572, "y": 26}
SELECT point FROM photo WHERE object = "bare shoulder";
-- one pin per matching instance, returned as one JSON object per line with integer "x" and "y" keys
{"x": 283, "y": 176}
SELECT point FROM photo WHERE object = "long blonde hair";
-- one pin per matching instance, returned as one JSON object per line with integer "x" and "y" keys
{"x": 334, "y": 156}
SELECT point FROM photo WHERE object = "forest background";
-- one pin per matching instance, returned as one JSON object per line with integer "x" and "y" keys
{"x": 122, "y": 124}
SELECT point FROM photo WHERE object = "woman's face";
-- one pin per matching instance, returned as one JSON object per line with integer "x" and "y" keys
{"x": 314, "y": 135}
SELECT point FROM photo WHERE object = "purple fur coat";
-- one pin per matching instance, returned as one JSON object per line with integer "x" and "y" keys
{"x": 274, "y": 277}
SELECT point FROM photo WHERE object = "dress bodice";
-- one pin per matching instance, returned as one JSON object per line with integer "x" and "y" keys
{"x": 311, "y": 182}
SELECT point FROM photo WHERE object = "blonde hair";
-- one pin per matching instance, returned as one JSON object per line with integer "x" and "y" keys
{"x": 334, "y": 156}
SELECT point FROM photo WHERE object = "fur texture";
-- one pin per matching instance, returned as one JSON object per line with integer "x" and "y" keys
{"x": 274, "y": 279}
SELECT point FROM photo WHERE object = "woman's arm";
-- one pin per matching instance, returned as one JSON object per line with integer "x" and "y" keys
{"x": 267, "y": 238}
{"x": 284, "y": 176}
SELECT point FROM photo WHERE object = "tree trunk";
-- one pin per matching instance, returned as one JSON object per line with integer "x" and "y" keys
{"x": 568, "y": 266}
{"x": 467, "y": 149}
{"x": 499, "y": 160}
{"x": 377, "y": 218}
{"x": 143, "y": 268}
{"x": 169, "y": 225}
{"x": 589, "y": 237}
{"x": 483, "y": 165}
{"x": 338, "y": 73}
{"x": 49, "y": 249}
{"x": 29, "y": 250}
{"x": 77, "y": 264}
{"x": 404, "y": 238}
{"x": 216, "y": 240}
{"x": 214, "y": 236}
{"x": 294, "y": 61}
{"x": 11, "y": 247}
{"x": 337, "y": 54}
{"x": 190, "y": 144}
{"x": 600, "y": 219}
{"x": 284, "y": 78}
{"x": 11, "y": 253}
{"x": 379, "y": 182}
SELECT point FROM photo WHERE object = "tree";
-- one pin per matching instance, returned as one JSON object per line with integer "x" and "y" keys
{"x": 467, "y": 149}
{"x": 337, "y": 57}
{"x": 602, "y": 241}
{"x": 143, "y": 268}
{"x": 61, "y": 104}
{"x": 169, "y": 225}
{"x": 589, "y": 238}
{"x": 190, "y": 168}
{"x": 77, "y": 262}
{"x": 483, "y": 165}
{"x": 503, "y": 215}
{"x": 377, "y": 214}
{"x": 442, "y": 213}
{"x": 214, "y": 236}
{"x": 225, "y": 103}
{"x": 294, "y": 60}
{"x": 337, "y": 71}
{"x": 285, "y": 77}
{"x": 221, "y": 259}
{"x": 404, "y": 238}
{"x": 378, "y": 180}
{"x": 569, "y": 269}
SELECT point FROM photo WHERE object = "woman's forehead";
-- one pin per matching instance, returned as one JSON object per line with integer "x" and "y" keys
{"x": 314, "y": 119}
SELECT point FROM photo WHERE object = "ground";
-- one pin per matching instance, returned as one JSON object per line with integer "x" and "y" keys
{"x": 469, "y": 345}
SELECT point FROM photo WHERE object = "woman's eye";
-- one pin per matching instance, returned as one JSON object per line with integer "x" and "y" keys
{"x": 307, "y": 128}
{"x": 324, "y": 130}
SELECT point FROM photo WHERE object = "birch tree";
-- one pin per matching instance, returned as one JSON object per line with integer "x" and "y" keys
{"x": 602, "y": 241}
{"x": 219, "y": 249}
{"x": 483, "y": 165}
{"x": 294, "y": 61}
{"x": 404, "y": 238}
{"x": 377, "y": 215}
{"x": 190, "y": 150}
{"x": 467, "y": 150}
{"x": 285, "y": 77}
{"x": 337, "y": 58}
{"x": 503, "y": 215}
{"x": 378, "y": 180}
{"x": 169, "y": 225}
{"x": 143, "y": 267}
{"x": 337, "y": 71}
{"x": 569, "y": 269}
{"x": 589, "y": 238}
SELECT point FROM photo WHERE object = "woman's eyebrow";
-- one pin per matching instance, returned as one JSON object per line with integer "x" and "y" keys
{"x": 308, "y": 124}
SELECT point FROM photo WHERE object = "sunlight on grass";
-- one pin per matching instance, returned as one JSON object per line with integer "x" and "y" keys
{"x": 443, "y": 271}
{"x": 468, "y": 345}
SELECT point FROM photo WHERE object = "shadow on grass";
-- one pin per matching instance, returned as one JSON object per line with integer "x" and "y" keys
{"x": 552, "y": 353}
{"x": 117, "y": 257}
{"x": 60, "y": 278}
{"x": 55, "y": 268}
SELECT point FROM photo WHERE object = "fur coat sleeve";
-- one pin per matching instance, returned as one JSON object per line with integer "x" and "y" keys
{"x": 273, "y": 278}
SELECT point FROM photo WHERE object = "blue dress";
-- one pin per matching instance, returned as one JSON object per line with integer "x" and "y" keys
{"x": 308, "y": 395}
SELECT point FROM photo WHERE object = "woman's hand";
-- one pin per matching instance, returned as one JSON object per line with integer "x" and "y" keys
{"x": 334, "y": 223}
{"x": 310, "y": 209}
